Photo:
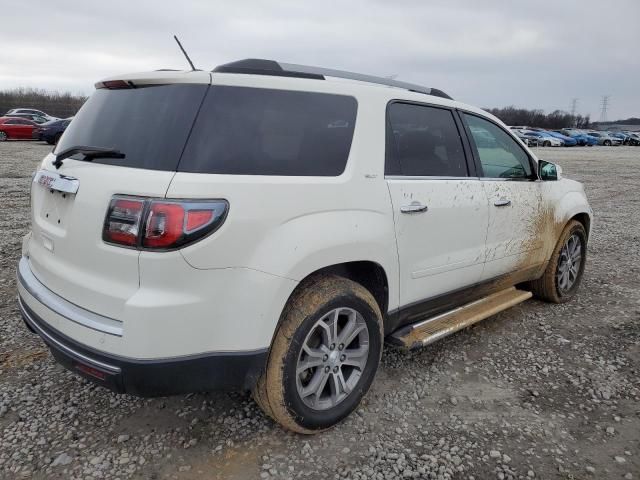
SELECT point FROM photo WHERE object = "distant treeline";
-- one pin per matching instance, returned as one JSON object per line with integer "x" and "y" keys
{"x": 537, "y": 118}
{"x": 56, "y": 104}
{"x": 627, "y": 121}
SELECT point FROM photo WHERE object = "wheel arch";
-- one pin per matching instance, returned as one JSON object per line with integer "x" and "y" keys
{"x": 585, "y": 220}
{"x": 371, "y": 275}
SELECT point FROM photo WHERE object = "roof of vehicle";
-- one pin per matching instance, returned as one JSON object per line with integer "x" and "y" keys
{"x": 256, "y": 66}
{"x": 298, "y": 77}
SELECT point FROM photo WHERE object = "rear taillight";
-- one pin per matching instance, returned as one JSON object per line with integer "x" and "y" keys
{"x": 161, "y": 224}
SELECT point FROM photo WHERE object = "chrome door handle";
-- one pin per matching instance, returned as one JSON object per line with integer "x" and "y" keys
{"x": 503, "y": 202}
{"x": 414, "y": 208}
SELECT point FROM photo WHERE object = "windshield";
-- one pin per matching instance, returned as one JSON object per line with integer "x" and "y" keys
{"x": 150, "y": 124}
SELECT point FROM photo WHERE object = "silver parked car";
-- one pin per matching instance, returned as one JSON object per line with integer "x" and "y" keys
{"x": 605, "y": 139}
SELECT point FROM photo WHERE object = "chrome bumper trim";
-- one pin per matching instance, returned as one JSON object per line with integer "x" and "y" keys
{"x": 61, "y": 346}
{"x": 63, "y": 307}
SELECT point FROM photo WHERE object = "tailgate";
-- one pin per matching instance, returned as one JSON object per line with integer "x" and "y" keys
{"x": 66, "y": 252}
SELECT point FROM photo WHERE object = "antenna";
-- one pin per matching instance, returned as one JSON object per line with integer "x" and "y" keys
{"x": 185, "y": 53}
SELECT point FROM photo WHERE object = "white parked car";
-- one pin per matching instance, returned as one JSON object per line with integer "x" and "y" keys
{"x": 30, "y": 111}
{"x": 268, "y": 226}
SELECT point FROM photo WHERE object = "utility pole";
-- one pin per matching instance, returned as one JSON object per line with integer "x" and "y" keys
{"x": 604, "y": 106}
{"x": 574, "y": 107}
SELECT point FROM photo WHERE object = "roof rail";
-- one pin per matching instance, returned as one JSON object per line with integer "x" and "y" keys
{"x": 258, "y": 66}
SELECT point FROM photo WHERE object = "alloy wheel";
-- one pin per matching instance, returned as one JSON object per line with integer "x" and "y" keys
{"x": 569, "y": 263}
{"x": 332, "y": 359}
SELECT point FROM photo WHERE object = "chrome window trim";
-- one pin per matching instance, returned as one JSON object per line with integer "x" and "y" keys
{"x": 418, "y": 177}
{"x": 51, "y": 340}
{"x": 63, "y": 307}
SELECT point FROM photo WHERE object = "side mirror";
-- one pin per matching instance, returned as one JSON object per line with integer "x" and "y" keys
{"x": 548, "y": 171}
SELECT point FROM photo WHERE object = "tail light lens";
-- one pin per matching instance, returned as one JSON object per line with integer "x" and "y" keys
{"x": 161, "y": 224}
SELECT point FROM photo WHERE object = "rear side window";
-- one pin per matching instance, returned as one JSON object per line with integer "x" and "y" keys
{"x": 423, "y": 141}
{"x": 255, "y": 131}
{"x": 150, "y": 125}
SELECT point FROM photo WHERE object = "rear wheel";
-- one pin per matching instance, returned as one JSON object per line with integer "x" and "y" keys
{"x": 324, "y": 355}
{"x": 3, "y": 136}
{"x": 563, "y": 274}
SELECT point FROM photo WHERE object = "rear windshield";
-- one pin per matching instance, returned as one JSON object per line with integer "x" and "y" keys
{"x": 238, "y": 130}
{"x": 149, "y": 125}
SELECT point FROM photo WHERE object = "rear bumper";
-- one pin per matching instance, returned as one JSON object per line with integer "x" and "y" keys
{"x": 150, "y": 378}
{"x": 238, "y": 370}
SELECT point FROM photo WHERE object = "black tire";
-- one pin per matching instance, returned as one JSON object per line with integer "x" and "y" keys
{"x": 56, "y": 139}
{"x": 277, "y": 392}
{"x": 546, "y": 143}
{"x": 547, "y": 287}
{"x": 607, "y": 143}
{"x": 3, "y": 136}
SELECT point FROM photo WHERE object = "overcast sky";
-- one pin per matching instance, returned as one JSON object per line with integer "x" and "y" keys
{"x": 536, "y": 54}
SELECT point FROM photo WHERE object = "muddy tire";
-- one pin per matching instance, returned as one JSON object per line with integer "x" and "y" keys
{"x": 563, "y": 274}
{"x": 331, "y": 332}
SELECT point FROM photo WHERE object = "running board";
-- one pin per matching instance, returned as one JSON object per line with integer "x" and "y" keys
{"x": 434, "y": 328}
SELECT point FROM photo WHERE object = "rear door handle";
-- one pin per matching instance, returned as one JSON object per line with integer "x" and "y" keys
{"x": 414, "y": 208}
{"x": 503, "y": 202}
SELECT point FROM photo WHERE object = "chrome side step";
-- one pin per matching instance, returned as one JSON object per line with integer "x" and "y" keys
{"x": 434, "y": 328}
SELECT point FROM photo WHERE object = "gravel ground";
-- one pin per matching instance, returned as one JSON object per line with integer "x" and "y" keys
{"x": 538, "y": 391}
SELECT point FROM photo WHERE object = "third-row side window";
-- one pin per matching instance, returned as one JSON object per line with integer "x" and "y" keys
{"x": 423, "y": 141}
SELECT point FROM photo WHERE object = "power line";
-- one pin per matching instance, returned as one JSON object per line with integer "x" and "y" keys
{"x": 604, "y": 106}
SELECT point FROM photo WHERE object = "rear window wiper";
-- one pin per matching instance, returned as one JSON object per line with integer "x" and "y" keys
{"x": 89, "y": 153}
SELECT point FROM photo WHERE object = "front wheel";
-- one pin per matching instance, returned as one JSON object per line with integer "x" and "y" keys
{"x": 607, "y": 143}
{"x": 546, "y": 143}
{"x": 324, "y": 355}
{"x": 563, "y": 274}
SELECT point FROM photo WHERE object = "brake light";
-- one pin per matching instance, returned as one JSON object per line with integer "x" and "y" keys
{"x": 165, "y": 225}
{"x": 115, "y": 84}
{"x": 161, "y": 224}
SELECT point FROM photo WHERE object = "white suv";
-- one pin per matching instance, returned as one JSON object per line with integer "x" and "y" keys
{"x": 267, "y": 226}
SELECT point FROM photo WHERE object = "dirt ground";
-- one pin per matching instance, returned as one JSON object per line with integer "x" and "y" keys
{"x": 537, "y": 391}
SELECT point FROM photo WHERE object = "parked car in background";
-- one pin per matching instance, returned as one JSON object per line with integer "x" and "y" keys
{"x": 605, "y": 139}
{"x": 544, "y": 139}
{"x": 581, "y": 137}
{"x": 621, "y": 135}
{"x": 29, "y": 116}
{"x": 529, "y": 141}
{"x": 51, "y": 132}
{"x": 568, "y": 141}
{"x": 634, "y": 138}
{"x": 31, "y": 111}
{"x": 15, "y": 128}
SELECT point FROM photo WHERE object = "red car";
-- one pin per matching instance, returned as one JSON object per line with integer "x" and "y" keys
{"x": 16, "y": 128}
